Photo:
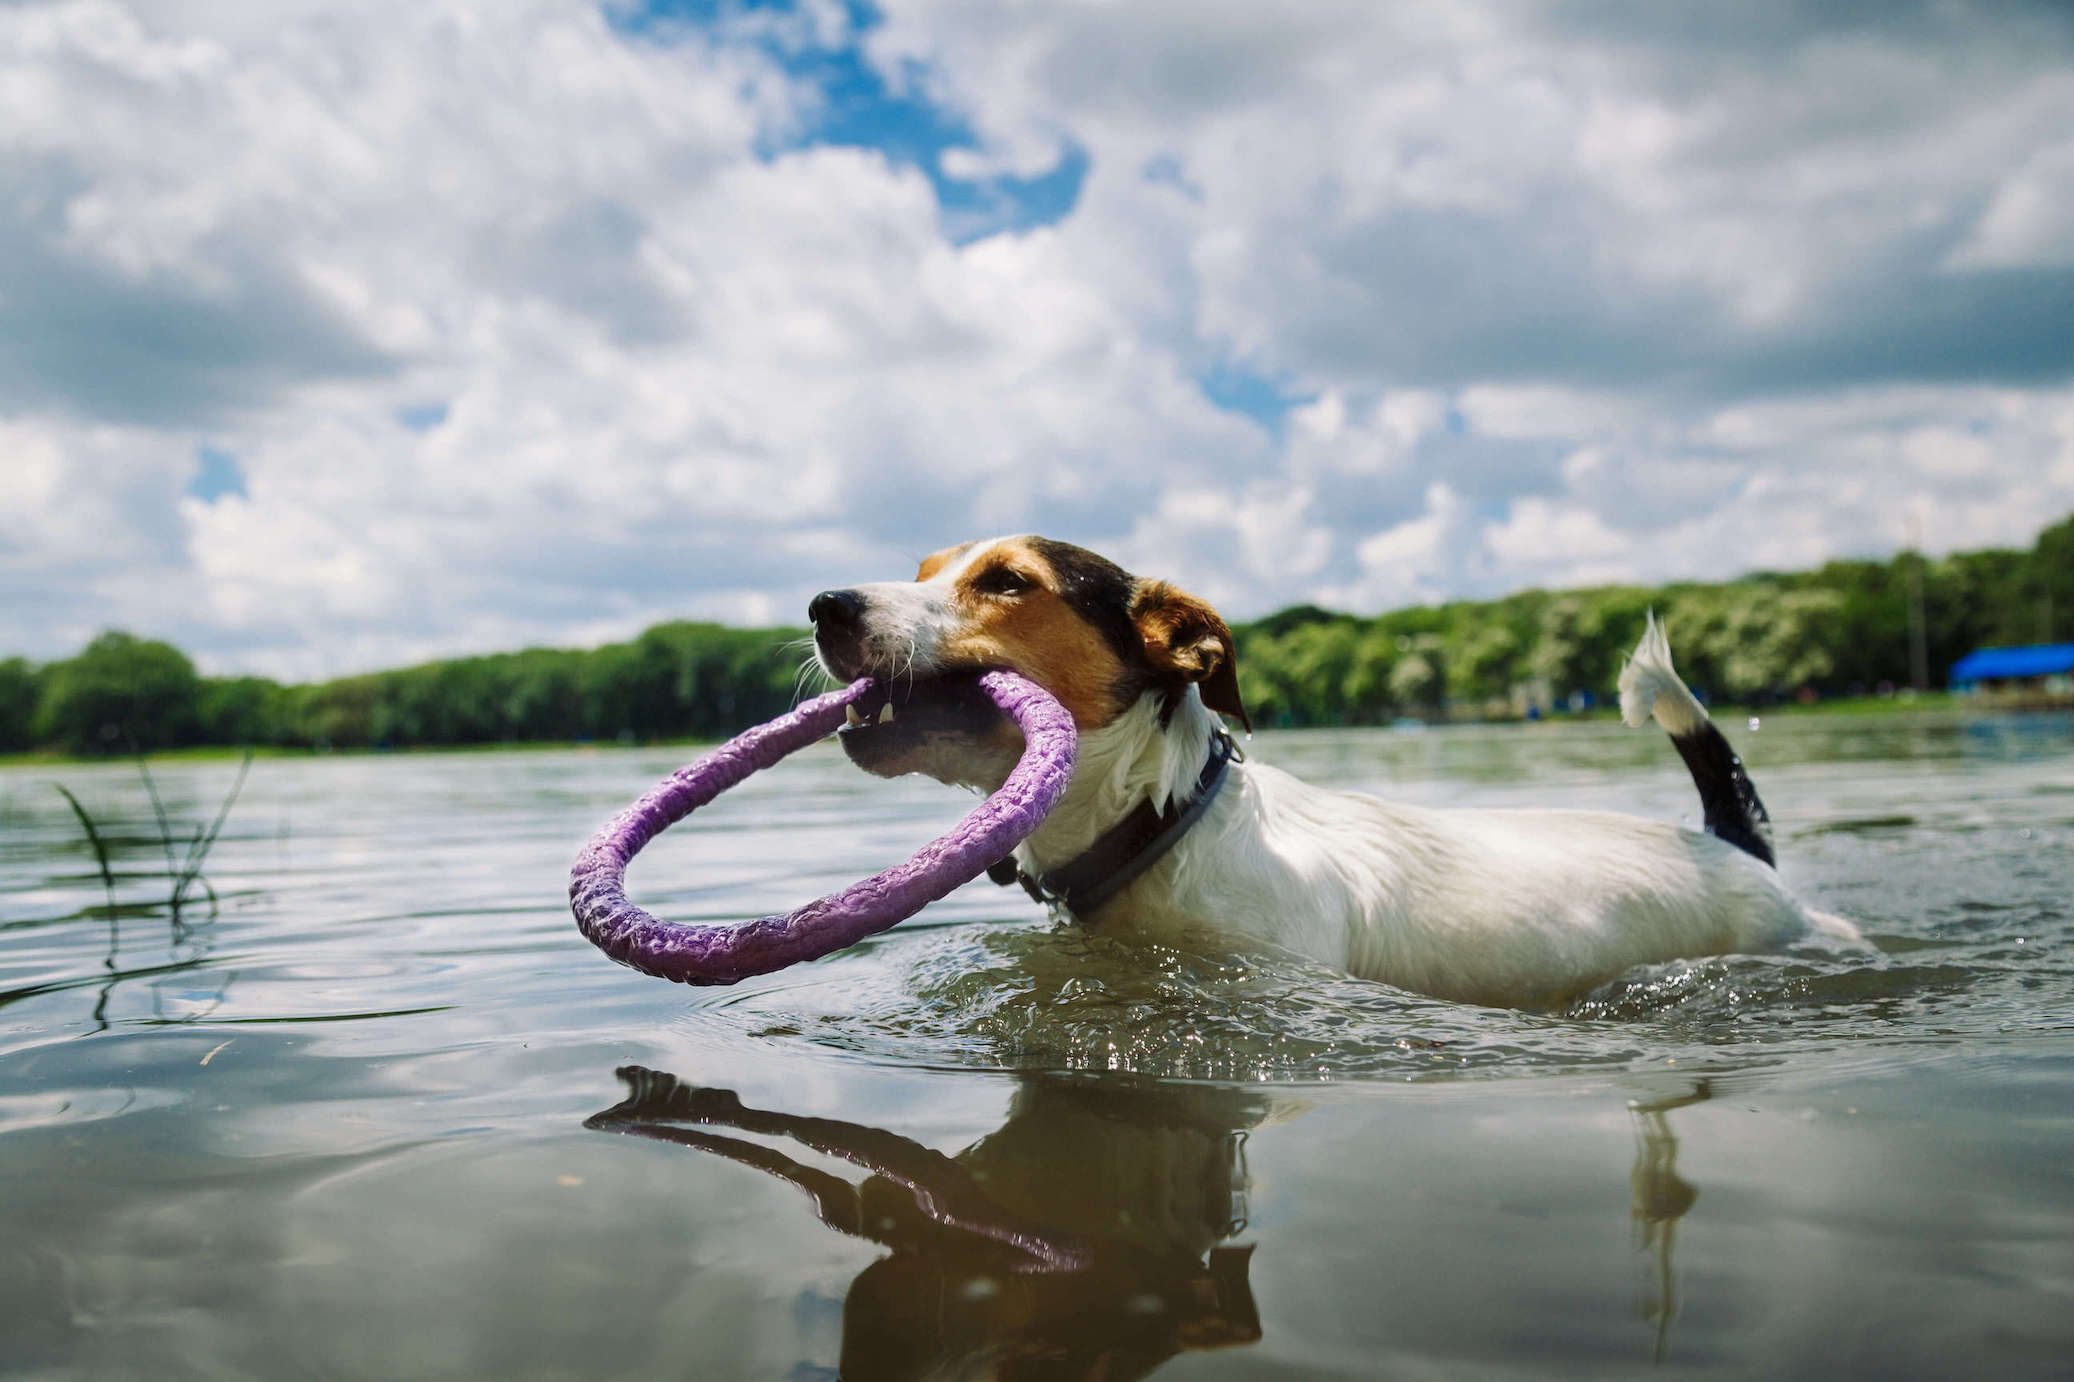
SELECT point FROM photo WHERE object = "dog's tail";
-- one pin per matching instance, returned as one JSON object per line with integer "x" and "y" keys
{"x": 1650, "y": 686}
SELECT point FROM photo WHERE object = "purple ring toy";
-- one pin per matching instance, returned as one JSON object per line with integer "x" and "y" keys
{"x": 691, "y": 953}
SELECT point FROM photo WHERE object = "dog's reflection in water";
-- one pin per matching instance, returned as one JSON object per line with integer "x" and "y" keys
{"x": 1083, "y": 1239}
{"x": 1659, "y": 1197}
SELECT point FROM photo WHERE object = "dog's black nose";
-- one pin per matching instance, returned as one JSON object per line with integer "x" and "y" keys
{"x": 836, "y": 609}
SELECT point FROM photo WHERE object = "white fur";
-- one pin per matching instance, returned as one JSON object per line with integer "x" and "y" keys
{"x": 1511, "y": 908}
{"x": 1650, "y": 685}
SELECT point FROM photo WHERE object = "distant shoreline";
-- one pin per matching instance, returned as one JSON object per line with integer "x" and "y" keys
{"x": 1926, "y": 703}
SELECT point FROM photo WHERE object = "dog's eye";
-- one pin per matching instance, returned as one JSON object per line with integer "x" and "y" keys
{"x": 1001, "y": 580}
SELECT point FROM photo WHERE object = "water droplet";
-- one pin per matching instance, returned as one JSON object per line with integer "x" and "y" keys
{"x": 1754, "y": 724}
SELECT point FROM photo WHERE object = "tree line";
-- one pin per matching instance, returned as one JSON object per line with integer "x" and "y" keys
{"x": 1841, "y": 630}
{"x": 678, "y": 680}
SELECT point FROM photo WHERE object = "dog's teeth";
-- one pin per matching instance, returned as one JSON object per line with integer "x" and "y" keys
{"x": 850, "y": 714}
{"x": 886, "y": 713}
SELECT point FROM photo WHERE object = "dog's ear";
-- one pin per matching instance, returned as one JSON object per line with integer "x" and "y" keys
{"x": 1187, "y": 641}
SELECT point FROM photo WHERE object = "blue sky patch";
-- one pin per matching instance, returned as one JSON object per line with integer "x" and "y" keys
{"x": 216, "y": 474}
{"x": 1164, "y": 170}
{"x": 976, "y": 208}
{"x": 1240, "y": 390}
{"x": 422, "y": 417}
{"x": 857, "y": 108}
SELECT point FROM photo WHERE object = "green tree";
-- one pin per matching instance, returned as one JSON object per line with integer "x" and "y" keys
{"x": 1263, "y": 677}
{"x": 120, "y": 691}
{"x": 1369, "y": 698}
{"x": 1483, "y": 662}
{"x": 1868, "y": 638}
{"x": 1418, "y": 679}
{"x": 544, "y": 697}
{"x": 1319, "y": 660}
{"x": 1754, "y": 639}
{"x": 2047, "y": 584}
{"x": 336, "y": 714}
{"x": 1559, "y": 657}
{"x": 19, "y": 688}
{"x": 1581, "y": 639}
{"x": 242, "y": 710}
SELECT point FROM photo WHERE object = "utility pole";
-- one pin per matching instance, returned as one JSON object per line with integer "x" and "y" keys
{"x": 1918, "y": 635}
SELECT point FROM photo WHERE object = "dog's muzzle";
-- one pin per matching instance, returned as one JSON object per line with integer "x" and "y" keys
{"x": 838, "y": 619}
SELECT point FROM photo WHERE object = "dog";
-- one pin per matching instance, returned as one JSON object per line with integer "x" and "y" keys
{"x": 1166, "y": 832}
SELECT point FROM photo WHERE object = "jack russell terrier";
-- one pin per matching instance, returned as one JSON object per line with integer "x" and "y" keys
{"x": 1166, "y": 832}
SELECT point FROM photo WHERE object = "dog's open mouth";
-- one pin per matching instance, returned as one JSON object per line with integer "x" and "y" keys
{"x": 948, "y": 703}
{"x": 926, "y": 724}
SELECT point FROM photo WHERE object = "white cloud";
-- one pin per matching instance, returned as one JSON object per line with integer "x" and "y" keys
{"x": 1421, "y": 560}
{"x": 677, "y": 376}
{"x": 1563, "y": 300}
{"x": 1328, "y": 434}
{"x": 1545, "y": 535}
{"x": 1237, "y": 550}
{"x": 2029, "y": 222}
{"x": 1542, "y": 412}
{"x": 1489, "y": 191}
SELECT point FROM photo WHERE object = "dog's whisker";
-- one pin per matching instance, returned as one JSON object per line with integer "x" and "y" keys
{"x": 912, "y": 648}
{"x": 804, "y": 676}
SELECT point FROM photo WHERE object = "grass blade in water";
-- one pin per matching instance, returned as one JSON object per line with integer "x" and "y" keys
{"x": 93, "y": 837}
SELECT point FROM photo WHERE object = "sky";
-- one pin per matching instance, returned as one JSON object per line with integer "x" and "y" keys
{"x": 341, "y": 336}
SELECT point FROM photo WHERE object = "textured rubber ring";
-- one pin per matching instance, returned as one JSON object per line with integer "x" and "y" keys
{"x": 694, "y": 953}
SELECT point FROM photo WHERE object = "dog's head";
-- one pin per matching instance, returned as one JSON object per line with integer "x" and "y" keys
{"x": 1093, "y": 635}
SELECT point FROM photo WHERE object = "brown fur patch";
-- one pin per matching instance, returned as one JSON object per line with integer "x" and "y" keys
{"x": 936, "y": 561}
{"x": 1035, "y": 632}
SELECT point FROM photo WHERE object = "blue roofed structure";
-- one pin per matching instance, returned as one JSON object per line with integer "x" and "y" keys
{"x": 2037, "y": 662}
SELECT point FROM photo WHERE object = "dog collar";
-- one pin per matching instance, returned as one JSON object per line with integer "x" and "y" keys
{"x": 1124, "y": 851}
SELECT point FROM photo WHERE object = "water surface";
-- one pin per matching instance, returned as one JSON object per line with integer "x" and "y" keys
{"x": 383, "y": 1113}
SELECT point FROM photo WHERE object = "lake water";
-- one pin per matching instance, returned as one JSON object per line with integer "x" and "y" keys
{"x": 386, "y": 1115}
